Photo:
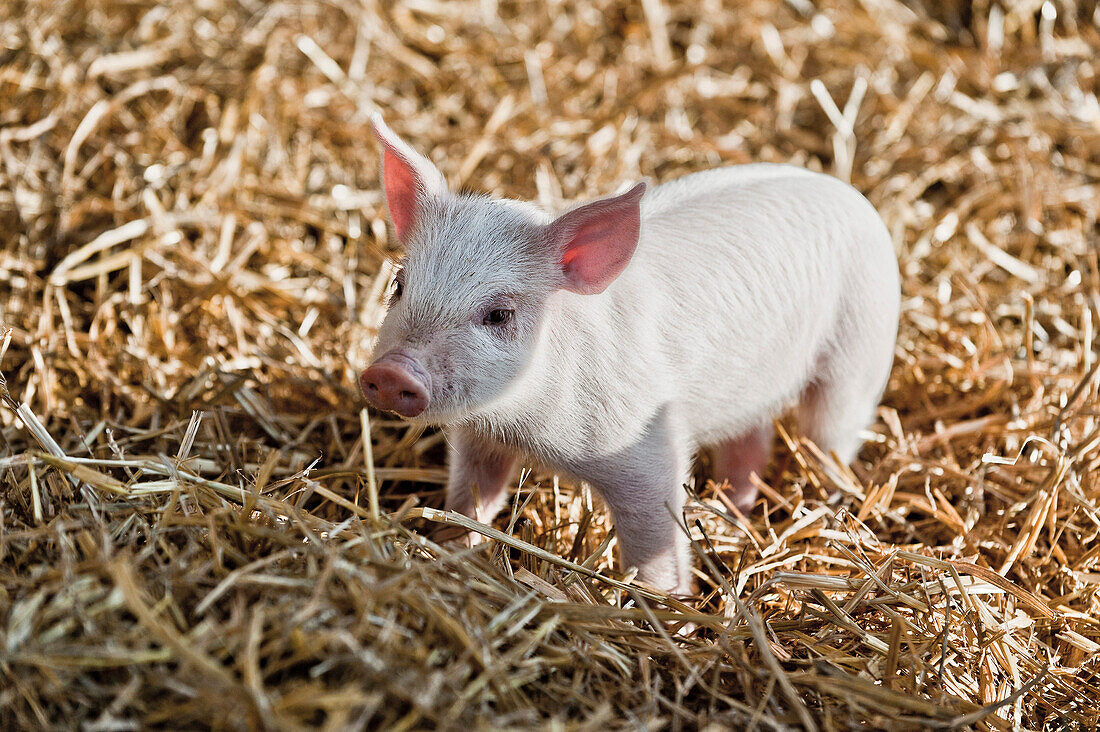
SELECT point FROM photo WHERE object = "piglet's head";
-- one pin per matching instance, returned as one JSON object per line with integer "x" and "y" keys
{"x": 468, "y": 303}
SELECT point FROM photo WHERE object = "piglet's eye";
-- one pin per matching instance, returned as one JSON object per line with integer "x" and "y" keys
{"x": 500, "y": 316}
{"x": 398, "y": 288}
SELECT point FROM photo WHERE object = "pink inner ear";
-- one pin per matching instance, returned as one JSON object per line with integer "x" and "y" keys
{"x": 600, "y": 238}
{"x": 403, "y": 192}
{"x": 408, "y": 178}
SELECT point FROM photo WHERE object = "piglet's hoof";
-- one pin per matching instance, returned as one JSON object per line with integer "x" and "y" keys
{"x": 454, "y": 536}
{"x": 743, "y": 498}
{"x": 685, "y": 630}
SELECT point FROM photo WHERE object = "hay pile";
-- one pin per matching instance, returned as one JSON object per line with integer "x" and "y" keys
{"x": 193, "y": 532}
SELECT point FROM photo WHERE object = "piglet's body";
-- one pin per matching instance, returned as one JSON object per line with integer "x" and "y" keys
{"x": 636, "y": 330}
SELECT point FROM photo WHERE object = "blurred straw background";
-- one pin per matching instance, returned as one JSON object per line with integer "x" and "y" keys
{"x": 193, "y": 256}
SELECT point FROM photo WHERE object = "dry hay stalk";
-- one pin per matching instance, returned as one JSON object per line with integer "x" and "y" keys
{"x": 198, "y": 528}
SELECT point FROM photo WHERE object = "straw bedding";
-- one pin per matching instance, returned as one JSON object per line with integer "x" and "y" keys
{"x": 193, "y": 257}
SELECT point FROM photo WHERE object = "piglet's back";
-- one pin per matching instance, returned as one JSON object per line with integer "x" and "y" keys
{"x": 757, "y": 268}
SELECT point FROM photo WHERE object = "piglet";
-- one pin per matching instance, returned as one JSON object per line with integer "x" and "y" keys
{"x": 615, "y": 339}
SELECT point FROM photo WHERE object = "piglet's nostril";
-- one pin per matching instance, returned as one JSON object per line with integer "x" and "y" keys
{"x": 396, "y": 383}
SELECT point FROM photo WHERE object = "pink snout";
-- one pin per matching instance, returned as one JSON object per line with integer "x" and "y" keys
{"x": 396, "y": 383}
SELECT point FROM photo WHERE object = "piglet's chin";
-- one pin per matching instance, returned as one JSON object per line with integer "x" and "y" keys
{"x": 395, "y": 382}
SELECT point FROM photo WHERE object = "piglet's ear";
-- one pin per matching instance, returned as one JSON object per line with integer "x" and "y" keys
{"x": 409, "y": 179}
{"x": 596, "y": 240}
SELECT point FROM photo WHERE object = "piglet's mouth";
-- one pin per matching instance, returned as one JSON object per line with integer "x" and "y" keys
{"x": 396, "y": 382}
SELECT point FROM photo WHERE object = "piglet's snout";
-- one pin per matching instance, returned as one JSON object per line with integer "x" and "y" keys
{"x": 396, "y": 383}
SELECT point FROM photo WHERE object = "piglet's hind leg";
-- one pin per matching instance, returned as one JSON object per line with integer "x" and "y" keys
{"x": 737, "y": 459}
{"x": 841, "y": 402}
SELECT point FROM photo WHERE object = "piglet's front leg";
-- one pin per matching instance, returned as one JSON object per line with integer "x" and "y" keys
{"x": 650, "y": 540}
{"x": 644, "y": 489}
{"x": 477, "y": 484}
